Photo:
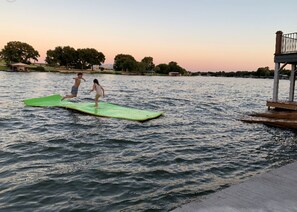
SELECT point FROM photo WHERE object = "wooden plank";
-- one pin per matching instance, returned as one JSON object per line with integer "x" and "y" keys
{"x": 272, "y": 191}
{"x": 282, "y": 105}
{"x": 286, "y": 115}
{"x": 284, "y": 119}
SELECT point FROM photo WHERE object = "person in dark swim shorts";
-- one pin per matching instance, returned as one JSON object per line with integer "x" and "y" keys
{"x": 74, "y": 89}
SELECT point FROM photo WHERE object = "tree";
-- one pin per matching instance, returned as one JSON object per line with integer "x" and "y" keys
{"x": 62, "y": 56}
{"x": 141, "y": 67}
{"x": 89, "y": 57}
{"x": 69, "y": 57}
{"x": 174, "y": 67}
{"x": 170, "y": 67}
{"x": 50, "y": 58}
{"x": 148, "y": 62}
{"x": 124, "y": 62}
{"x": 55, "y": 57}
{"x": 16, "y": 51}
{"x": 95, "y": 57}
{"x": 162, "y": 68}
{"x": 130, "y": 65}
{"x": 263, "y": 72}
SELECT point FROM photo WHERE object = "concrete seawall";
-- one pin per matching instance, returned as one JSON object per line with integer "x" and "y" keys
{"x": 272, "y": 191}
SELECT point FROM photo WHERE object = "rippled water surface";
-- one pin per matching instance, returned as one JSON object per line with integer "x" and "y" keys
{"x": 54, "y": 159}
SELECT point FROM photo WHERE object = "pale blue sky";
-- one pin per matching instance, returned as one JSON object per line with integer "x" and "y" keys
{"x": 201, "y": 35}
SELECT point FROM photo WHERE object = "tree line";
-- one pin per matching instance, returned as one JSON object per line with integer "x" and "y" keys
{"x": 84, "y": 58}
{"x": 125, "y": 62}
{"x": 262, "y": 72}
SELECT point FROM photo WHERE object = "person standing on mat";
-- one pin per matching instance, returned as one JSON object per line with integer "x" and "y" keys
{"x": 99, "y": 91}
{"x": 74, "y": 89}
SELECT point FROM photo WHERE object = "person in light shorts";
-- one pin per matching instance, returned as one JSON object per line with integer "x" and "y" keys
{"x": 99, "y": 91}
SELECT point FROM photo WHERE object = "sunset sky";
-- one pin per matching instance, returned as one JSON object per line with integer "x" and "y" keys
{"x": 200, "y": 35}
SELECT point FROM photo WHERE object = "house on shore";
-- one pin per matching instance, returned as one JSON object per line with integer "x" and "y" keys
{"x": 174, "y": 74}
{"x": 21, "y": 67}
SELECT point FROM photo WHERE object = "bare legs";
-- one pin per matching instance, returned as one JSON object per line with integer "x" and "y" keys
{"x": 68, "y": 97}
{"x": 96, "y": 100}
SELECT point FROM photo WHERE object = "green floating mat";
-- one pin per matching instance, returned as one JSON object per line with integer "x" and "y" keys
{"x": 105, "y": 109}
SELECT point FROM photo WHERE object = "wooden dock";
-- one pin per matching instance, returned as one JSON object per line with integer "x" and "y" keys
{"x": 272, "y": 191}
{"x": 286, "y": 105}
{"x": 284, "y": 119}
{"x": 285, "y": 54}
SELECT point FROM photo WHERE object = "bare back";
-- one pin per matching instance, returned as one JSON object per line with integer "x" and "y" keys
{"x": 77, "y": 82}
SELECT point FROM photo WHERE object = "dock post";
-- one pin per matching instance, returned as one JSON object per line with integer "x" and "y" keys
{"x": 276, "y": 82}
{"x": 278, "y": 51}
{"x": 278, "y": 42}
{"x": 292, "y": 83}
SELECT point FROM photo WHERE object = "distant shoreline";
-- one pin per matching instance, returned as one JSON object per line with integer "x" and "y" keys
{"x": 75, "y": 71}
{"x": 49, "y": 69}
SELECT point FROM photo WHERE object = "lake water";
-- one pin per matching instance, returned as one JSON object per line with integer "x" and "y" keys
{"x": 55, "y": 159}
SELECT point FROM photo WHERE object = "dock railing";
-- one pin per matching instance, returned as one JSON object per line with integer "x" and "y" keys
{"x": 289, "y": 43}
